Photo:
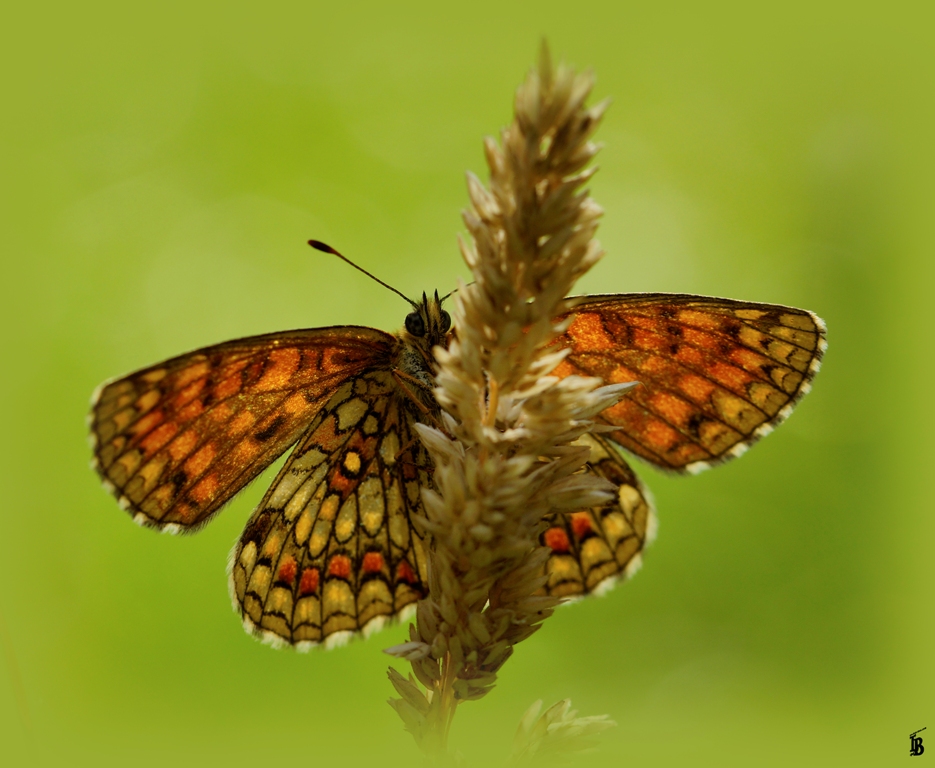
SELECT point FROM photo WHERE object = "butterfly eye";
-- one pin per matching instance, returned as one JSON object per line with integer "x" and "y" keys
{"x": 446, "y": 321}
{"x": 415, "y": 324}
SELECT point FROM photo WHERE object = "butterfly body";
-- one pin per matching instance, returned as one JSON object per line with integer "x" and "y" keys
{"x": 331, "y": 549}
{"x": 426, "y": 327}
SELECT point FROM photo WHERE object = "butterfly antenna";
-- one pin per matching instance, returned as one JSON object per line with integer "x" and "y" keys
{"x": 325, "y": 248}
{"x": 447, "y": 295}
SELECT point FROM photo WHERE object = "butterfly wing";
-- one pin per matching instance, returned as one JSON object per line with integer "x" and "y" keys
{"x": 715, "y": 374}
{"x": 592, "y": 548}
{"x": 176, "y": 441}
{"x": 331, "y": 550}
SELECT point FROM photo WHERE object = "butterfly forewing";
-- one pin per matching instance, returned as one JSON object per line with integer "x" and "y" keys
{"x": 331, "y": 549}
{"x": 715, "y": 374}
{"x": 174, "y": 442}
{"x": 592, "y": 548}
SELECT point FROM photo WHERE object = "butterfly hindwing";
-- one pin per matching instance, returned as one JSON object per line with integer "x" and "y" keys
{"x": 593, "y": 548}
{"x": 331, "y": 549}
{"x": 176, "y": 441}
{"x": 715, "y": 374}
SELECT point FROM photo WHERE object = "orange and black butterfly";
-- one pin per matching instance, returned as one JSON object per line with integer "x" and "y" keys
{"x": 331, "y": 549}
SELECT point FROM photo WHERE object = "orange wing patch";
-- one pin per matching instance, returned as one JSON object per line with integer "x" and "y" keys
{"x": 593, "y": 548}
{"x": 331, "y": 551}
{"x": 175, "y": 442}
{"x": 716, "y": 375}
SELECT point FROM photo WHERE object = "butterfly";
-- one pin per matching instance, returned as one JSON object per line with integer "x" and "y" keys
{"x": 331, "y": 550}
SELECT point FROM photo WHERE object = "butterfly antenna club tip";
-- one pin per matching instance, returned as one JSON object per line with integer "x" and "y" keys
{"x": 318, "y": 245}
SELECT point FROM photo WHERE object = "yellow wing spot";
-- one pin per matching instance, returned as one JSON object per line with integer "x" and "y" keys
{"x": 188, "y": 375}
{"x": 151, "y": 472}
{"x": 371, "y": 425}
{"x": 130, "y": 461}
{"x": 308, "y": 611}
{"x": 350, "y": 413}
{"x": 248, "y": 556}
{"x": 115, "y": 390}
{"x": 280, "y": 601}
{"x": 122, "y": 419}
{"x": 749, "y": 314}
{"x": 259, "y": 581}
{"x": 319, "y": 537}
{"x": 314, "y": 504}
{"x": 597, "y": 451}
{"x": 765, "y": 397}
{"x": 341, "y": 394}
{"x": 736, "y": 412}
{"x": 628, "y": 498}
{"x": 124, "y": 400}
{"x": 155, "y": 376}
{"x": 394, "y": 501}
{"x": 374, "y": 600}
{"x": 593, "y": 552}
{"x": 783, "y": 351}
{"x": 802, "y": 322}
{"x": 399, "y": 527}
{"x": 346, "y": 523}
{"x": 147, "y": 400}
{"x": 352, "y": 462}
{"x": 148, "y": 423}
{"x": 751, "y": 337}
{"x": 389, "y": 447}
{"x": 303, "y": 527}
{"x": 163, "y": 495}
{"x": 370, "y": 503}
{"x": 329, "y": 508}
{"x": 338, "y": 606}
{"x": 616, "y": 527}
{"x": 285, "y": 489}
{"x": 273, "y": 545}
{"x": 299, "y": 500}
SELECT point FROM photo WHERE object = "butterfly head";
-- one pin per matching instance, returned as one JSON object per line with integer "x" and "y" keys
{"x": 428, "y": 324}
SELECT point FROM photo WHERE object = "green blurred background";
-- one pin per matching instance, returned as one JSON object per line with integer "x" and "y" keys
{"x": 162, "y": 170}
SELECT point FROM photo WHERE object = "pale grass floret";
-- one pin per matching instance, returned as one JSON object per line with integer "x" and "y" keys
{"x": 505, "y": 456}
{"x": 557, "y": 732}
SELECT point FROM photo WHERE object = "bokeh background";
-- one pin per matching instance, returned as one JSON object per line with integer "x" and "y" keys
{"x": 163, "y": 167}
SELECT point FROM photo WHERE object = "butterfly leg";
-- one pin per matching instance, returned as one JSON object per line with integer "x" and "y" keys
{"x": 402, "y": 378}
{"x": 428, "y": 412}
